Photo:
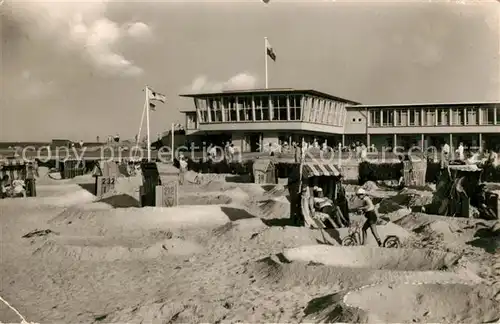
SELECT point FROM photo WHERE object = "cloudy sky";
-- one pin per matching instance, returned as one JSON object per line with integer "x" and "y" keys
{"x": 73, "y": 69}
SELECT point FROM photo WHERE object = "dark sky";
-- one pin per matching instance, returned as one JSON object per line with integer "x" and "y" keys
{"x": 76, "y": 70}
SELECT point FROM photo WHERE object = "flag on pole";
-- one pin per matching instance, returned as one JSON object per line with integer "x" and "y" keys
{"x": 270, "y": 51}
{"x": 153, "y": 95}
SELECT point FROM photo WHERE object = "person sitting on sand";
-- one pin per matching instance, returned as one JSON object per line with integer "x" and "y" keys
{"x": 371, "y": 216}
{"x": 325, "y": 205}
{"x": 18, "y": 189}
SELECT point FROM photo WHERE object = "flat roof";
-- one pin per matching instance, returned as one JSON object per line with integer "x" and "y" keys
{"x": 478, "y": 103}
{"x": 267, "y": 91}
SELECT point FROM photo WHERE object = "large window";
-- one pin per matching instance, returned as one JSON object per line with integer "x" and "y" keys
{"x": 201, "y": 107}
{"x": 329, "y": 112}
{"x": 430, "y": 117}
{"x": 498, "y": 115}
{"x": 314, "y": 109}
{"x": 319, "y": 109}
{"x": 214, "y": 106}
{"x": 458, "y": 116}
{"x": 415, "y": 117}
{"x": 375, "y": 117}
{"x": 191, "y": 120}
{"x": 279, "y": 107}
{"x": 245, "y": 108}
{"x": 401, "y": 117}
{"x": 387, "y": 117}
{"x": 443, "y": 116}
{"x": 472, "y": 116}
{"x": 488, "y": 115}
{"x": 228, "y": 106}
{"x": 295, "y": 107}
{"x": 261, "y": 108}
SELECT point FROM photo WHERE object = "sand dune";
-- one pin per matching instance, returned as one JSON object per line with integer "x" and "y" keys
{"x": 95, "y": 250}
{"x": 227, "y": 255}
{"x": 430, "y": 303}
{"x": 372, "y": 258}
{"x": 147, "y": 217}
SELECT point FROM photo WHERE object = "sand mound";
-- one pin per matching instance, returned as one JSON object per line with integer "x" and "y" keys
{"x": 276, "y": 191}
{"x": 443, "y": 225}
{"x": 253, "y": 189}
{"x": 373, "y": 258}
{"x": 219, "y": 197}
{"x": 407, "y": 198}
{"x": 237, "y": 195}
{"x": 397, "y": 214}
{"x": 430, "y": 303}
{"x": 243, "y": 228}
{"x": 205, "y": 199}
{"x": 65, "y": 200}
{"x": 151, "y": 217}
{"x": 280, "y": 271}
{"x": 447, "y": 231}
{"x": 99, "y": 250}
{"x": 331, "y": 309}
{"x": 275, "y": 208}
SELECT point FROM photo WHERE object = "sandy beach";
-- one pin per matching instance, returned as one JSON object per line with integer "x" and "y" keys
{"x": 219, "y": 257}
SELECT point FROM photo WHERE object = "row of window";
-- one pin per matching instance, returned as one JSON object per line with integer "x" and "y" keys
{"x": 326, "y": 112}
{"x": 260, "y": 108}
{"x": 434, "y": 117}
{"x": 234, "y": 109}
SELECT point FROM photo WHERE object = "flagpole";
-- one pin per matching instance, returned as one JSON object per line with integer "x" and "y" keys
{"x": 147, "y": 124}
{"x": 265, "y": 55}
{"x": 173, "y": 142}
{"x": 140, "y": 127}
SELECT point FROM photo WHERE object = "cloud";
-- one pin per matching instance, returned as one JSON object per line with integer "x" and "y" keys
{"x": 79, "y": 27}
{"x": 30, "y": 87}
{"x": 139, "y": 30}
{"x": 241, "y": 81}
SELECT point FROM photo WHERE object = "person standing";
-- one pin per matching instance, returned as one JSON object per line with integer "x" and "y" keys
{"x": 226, "y": 152}
{"x": 182, "y": 168}
{"x": 371, "y": 216}
{"x": 231, "y": 153}
{"x": 296, "y": 152}
{"x": 446, "y": 149}
{"x": 460, "y": 151}
{"x": 363, "y": 153}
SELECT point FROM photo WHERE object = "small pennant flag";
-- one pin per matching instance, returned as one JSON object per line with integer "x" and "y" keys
{"x": 270, "y": 51}
{"x": 152, "y": 106}
{"x": 153, "y": 95}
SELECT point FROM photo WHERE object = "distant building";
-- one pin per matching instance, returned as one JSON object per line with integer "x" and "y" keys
{"x": 252, "y": 119}
{"x": 474, "y": 124}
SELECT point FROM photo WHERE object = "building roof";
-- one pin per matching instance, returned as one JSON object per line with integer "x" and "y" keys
{"x": 478, "y": 103}
{"x": 268, "y": 91}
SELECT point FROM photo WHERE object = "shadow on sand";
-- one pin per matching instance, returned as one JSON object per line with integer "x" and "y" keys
{"x": 238, "y": 179}
{"x": 487, "y": 240}
{"x": 121, "y": 201}
{"x": 235, "y": 214}
{"x": 90, "y": 187}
